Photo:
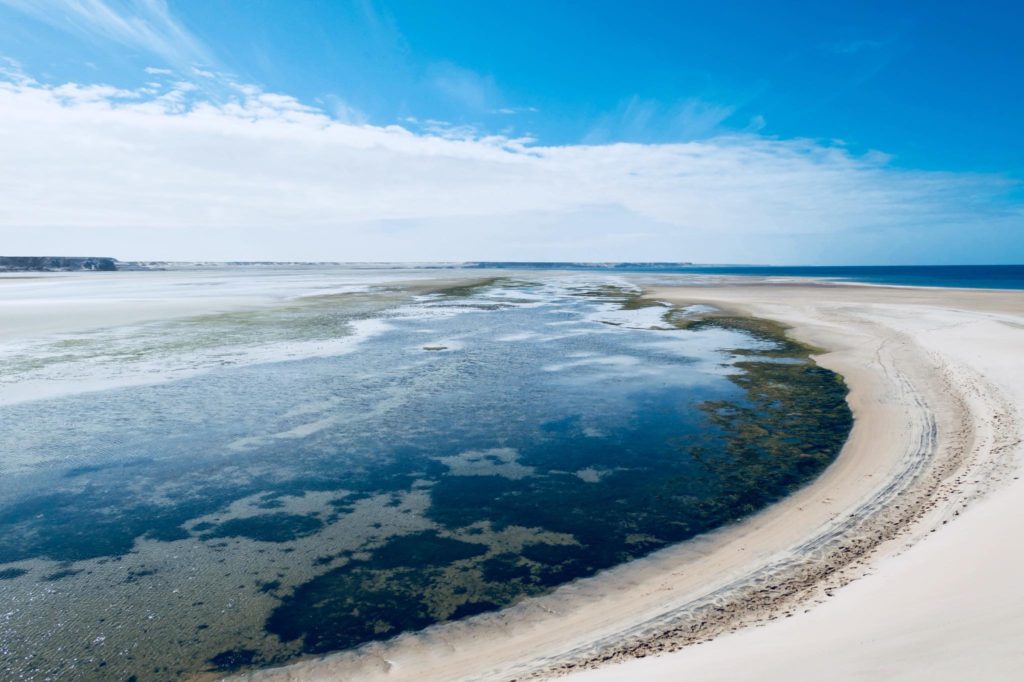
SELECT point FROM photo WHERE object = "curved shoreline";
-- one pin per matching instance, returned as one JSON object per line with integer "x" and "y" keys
{"x": 898, "y": 475}
{"x": 948, "y": 440}
{"x": 945, "y": 608}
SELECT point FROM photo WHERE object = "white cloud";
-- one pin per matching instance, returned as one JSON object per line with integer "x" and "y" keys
{"x": 169, "y": 174}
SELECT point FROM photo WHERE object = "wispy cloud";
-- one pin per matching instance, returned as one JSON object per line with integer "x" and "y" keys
{"x": 145, "y": 25}
{"x": 342, "y": 111}
{"x": 511, "y": 111}
{"x": 12, "y": 70}
{"x": 645, "y": 120}
{"x": 165, "y": 172}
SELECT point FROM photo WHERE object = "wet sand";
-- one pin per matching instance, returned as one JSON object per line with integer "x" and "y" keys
{"x": 39, "y": 304}
{"x": 898, "y": 562}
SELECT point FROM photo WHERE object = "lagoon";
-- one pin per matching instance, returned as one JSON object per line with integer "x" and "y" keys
{"x": 240, "y": 489}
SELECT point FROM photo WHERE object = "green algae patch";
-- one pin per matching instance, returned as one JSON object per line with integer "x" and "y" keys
{"x": 627, "y": 298}
{"x": 233, "y": 659}
{"x": 465, "y": 290}
{"x": 408, "y": 583}
{"x": 791, "y": 426}
{"x": 781, "y": 439}
{"x": 279, "y": 527}
{"x": 770, "y": 331}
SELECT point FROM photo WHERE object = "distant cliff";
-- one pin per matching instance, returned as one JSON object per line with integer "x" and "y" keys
{"x": 55, "y": 264}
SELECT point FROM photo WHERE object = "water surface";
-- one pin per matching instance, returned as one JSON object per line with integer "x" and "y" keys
{"x": 961, "y": 276}
{"x": 460, "y": 451}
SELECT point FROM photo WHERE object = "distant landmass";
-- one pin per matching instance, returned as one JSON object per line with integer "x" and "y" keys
{"x": 106, "y": 264}
{"x": 56, "y": 263}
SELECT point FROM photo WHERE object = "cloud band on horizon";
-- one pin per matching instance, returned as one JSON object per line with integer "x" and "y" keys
{"x": 164, "y": 171}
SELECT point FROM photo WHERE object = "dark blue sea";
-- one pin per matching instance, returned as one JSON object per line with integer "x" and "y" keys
{"x": 962, "y": 276}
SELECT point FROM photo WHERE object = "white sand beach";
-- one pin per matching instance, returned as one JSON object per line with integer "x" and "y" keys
{"x": 899, "y": 562}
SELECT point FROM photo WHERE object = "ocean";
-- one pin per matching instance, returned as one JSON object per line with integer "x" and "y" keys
{"x": 965, "y": 276}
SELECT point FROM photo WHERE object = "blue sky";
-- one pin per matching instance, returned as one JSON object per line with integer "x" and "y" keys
{"x": 891, "y": 130}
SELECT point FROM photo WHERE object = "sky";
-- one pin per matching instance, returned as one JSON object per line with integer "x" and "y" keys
{"x": 728, "y": 132}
